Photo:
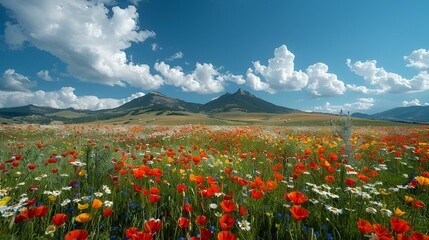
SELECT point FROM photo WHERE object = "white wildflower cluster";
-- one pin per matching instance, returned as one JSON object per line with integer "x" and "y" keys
{"x": 7, "y": 210}
{"x": 106, "y": 189}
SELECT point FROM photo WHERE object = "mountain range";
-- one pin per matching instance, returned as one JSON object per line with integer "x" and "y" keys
{"x": 156, "y": 103}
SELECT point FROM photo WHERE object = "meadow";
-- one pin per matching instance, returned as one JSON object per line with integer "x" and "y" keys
{"x": 214, "y": 182}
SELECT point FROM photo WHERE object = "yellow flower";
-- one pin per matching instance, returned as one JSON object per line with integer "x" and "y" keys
{"x": 96, "y": 203}
{"x": 399, "y": 212}
{"x": 82, "y": 206}
{"x": 408, "y": 198}
{"x": 82, "y": 172}
{"x": 182, "y": 171}
{"x": 170, "y": 160}
{"x": 424, "y": 181}
{"x": 83, "y": 217}
{"x": 50, "y": 230}
{"x": 52, "y": 198}
{"x": 5, "y": 200}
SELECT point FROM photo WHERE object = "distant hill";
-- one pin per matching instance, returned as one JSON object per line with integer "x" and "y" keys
{"x": 418, "y": 114}
{"x": 245, "y": 102}
{"x": 156, "y": 101}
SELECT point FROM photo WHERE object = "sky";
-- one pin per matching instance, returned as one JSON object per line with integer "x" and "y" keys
{"x": 313, "y": 55}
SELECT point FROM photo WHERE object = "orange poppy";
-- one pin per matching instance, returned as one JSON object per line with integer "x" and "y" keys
{"x": 364, "y": 226}
{"x": 83, "y": 217}
{"x": 228, "y": 206}
{"x": 399, "y": 225}
{"x": 424, "y": 181}
{"x": 298, "y": 212}
{"x": 96, "y": 203}
{"x": 226, "y": 235}
{"x": 330, "y": 178}
{"x": 297, "y": 197}
{"x": 226, "y": 221}
{"x": 78, "y": 234}
{"x": 59, "y": 218}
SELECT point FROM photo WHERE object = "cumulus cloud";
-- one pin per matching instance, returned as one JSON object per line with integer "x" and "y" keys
{"x": 279, "y": 74}
{"x": 414, "y": 102}
{"x": 321, "y": 83}
{"x": 155, "y": 47}
{"x": 88, "y": 37}
{"x": 12, "y": 81}
{"x": 360, "y": 104}
{"x": 204, "y": 79}
{"x": 44, "y": 74}
{"x": 384, "y": 81}
{"x": 63, "y": 98}
{"x": 418, "y": 59}
{"x": 175, "y": 56}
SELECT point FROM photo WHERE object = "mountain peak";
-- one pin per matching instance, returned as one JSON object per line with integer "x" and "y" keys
{"x": 240, "y": 91}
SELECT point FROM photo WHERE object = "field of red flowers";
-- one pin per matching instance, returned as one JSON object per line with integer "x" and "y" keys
{"x": 199, "y": 182}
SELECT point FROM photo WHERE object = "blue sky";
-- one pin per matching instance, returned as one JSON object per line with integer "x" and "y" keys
{"x": 359, "y": 56}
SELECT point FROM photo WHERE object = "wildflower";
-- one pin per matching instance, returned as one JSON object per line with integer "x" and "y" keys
{"x": 187, "y": 208}
{"x": 371, "y": 210}
{"x": 83, "y": 217}
{"x": 65, "y": 202}
{"x": 399, "y": 225}
{"x": 386, "y": 212}
{"x": 226, "y": 235}
{"x": 424, "y": 181}
{"x": 334, "y": 210}
{"x": 408, "y": 198}
{"x": 213, "y": 205}
{"x": 418, "y": 204}
{"x": 382, "y": 232}
{"x": 153, "y": 198}
{"x": 244, "y": 225}
{"x": 108, "y": 203}
{"x": 78, "y": 234}
{"x": 399, "y": 212}
{"x": 226, "y": 221}
{"x": 228, "y": 206}
{"x": 107, "y": 212}
{"x": 82, "y": 206}
{"x": 364, "y": 226}
{"x": 98, "y": 194}
{"x": 181, "y": 187}
{"x": 5, "y": 200}
{"x": 96, "y": 203}
{"x": 59, "y": 218}
{"x": 152, "y": 225}
{"x": 330, "y": 178}
{"x": 183, "y": 222}
{"x": 350, "y": 182}
{"x": 297, "y": 197}
{"x": 298, "y": 212}
{"x": 201, "y": 220}
{"x": 242, "y": 210}
{"x": 50, "y": 229}
{"x": 256, "y": 194}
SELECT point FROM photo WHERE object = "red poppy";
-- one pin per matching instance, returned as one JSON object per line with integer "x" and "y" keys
{"x": 330, "y": 178}
{"x": 350, "y": 182}
{"x": 228, "y": 206}
{"x": 205, "y": 234}
{"x": 187, "y": 208}
{"x": 297, "y": 197}
{"x": 418, "y": 204}
{"x": 32, "y": 166}
{"x": 242, "y": 210}
{"x": 201, "y": 220}
{"x": 78, "y": 234}
{"x": 399, "y": 225}
{"x": 154, "y": 198}
{"x": 181, "y": 187}
{"x": 226, "y": 221}
{"x": 54, "y": 170}
{"x": 364, "y": 226}
{"x": 59, "y": 218}
{"x": 419, "y": 236}
{"x": 41, "y": 211}
{"x": 152, "y": 225}
{"x": 142, "y": 236}
{"x": 256, "y": 194}
{"x": 382, "y": 232}
{"x": 130, "y": 232}
{"x": 107, "y": 212}
{"x": 226, "y": 235}
{"x": 298, "y": 212}
{"x": 183, "y": 222}
{"x": 403, "y": 237}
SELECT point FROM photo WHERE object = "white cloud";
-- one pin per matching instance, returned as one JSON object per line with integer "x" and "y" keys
{"x": 386, "y": 82}
{"x": 255, "y": 82}
{"x": 85, "y": 35}
{"x": 63, "y": 98}
{"x": 175, "y": 56}
{"x": 155, "y": 47}
{"x": 414, "y": 102}
{"x": 280, "y": 73}
{"x": 44, "y": 74}
{"x": 12, "y": 81}
{"x": 360, "y": 104}
{"x": 323, "y": 84}
{"x": 204, "y": 79}
{"x": 418, "y": 59}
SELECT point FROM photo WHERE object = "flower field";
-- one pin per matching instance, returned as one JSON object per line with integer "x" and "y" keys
{"x": 212, "y": 182}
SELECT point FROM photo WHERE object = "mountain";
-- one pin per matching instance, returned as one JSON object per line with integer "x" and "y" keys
{"x": 245, "y": 102}
{"x": 28, "y": 110}
{"x": 156, "y": 101}
{"x": 418, "y": 114}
